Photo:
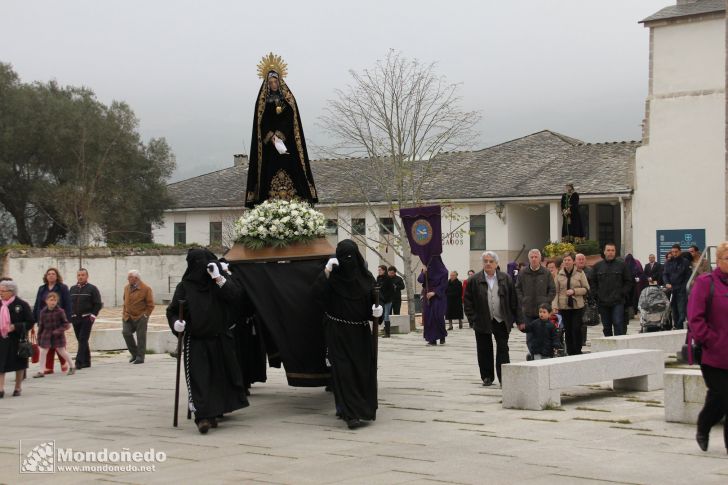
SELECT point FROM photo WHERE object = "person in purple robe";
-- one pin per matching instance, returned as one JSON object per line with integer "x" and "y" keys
{"x": 640, "y": 281}
{"x": 434, "y": 303}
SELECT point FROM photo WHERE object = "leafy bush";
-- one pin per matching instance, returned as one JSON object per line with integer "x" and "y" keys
{"x": 554, "y": 249}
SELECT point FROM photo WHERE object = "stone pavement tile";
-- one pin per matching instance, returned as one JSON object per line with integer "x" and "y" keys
{"x": 386, "y": 478}
{"x": 435, "y": 424}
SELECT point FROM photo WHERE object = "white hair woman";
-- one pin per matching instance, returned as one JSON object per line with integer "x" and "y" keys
{"x": 16, "y": 319}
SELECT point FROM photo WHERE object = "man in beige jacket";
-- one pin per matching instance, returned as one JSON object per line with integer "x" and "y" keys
{"x": 138, "y": 305}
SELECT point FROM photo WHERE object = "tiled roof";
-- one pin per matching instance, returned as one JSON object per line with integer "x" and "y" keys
{"x": 222, "y": 188}
{"x": 535, "y": 165}
{"x": 687, "y": 9}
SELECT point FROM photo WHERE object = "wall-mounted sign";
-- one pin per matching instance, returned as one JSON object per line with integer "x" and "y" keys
{"x": 684, "y": 237}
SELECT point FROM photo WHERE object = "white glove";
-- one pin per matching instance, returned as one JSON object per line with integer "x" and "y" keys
{"x": 179, "y": 326}
{"x": 225, "y": 267}
{"x": 213, "y": 271}
{"x": 280, "y": 146}
{"x": 377, "y": 311}
{"x": 330, "y": 263}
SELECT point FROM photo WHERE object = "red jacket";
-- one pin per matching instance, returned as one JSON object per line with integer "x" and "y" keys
{"x": 712, "y": 331}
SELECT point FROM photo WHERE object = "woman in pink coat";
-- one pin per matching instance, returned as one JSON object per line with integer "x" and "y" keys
{"x": 708, "y": 322}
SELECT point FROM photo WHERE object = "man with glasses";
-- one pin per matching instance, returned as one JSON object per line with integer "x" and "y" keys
{"x": 492, "y": 308}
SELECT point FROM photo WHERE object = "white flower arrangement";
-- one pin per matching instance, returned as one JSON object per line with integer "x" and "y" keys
{"x": 279, "y": 223}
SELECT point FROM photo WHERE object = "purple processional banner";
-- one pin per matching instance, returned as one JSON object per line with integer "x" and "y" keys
{"x": 423, "y": 229}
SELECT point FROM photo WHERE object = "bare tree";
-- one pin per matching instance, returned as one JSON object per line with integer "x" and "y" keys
{"x": 400, "y": 115}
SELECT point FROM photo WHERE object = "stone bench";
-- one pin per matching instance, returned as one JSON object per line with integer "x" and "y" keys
{"x": 684, "y": 395}
{"x": 399, "y": 323}
{"x": 158, "y": 341}
{"x": 537, "y": 384}
{"x": 670, "y": 341}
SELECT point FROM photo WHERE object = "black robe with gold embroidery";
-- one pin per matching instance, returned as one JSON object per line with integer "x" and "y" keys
{"x": 272, "y": 175}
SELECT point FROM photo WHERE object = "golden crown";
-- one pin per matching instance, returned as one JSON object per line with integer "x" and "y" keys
{"x": 272, "y": 62}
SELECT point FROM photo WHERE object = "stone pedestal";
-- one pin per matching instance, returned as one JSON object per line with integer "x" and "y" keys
{"x": 399, "y": 323}
{"x": 684, "y": 395}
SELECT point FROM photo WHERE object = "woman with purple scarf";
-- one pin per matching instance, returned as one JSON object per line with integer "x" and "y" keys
{"x": 434, "y": 283}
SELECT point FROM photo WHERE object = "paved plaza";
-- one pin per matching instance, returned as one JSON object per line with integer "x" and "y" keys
{"x": 436, "y": 424}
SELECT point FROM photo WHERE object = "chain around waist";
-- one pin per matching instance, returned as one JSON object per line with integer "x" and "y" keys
{"x": 349, "y": 322}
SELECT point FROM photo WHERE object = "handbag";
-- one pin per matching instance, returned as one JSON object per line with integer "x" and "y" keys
{"x": 692, "y": 351}
{"x": 590, "y": 317}
{"x": 36, "y": 349}
{"x": 25, "y": 349}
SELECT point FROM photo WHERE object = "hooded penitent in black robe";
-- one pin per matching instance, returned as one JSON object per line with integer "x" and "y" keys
{"x": 251, "y": 351}
{"x": 454, "y": 294}
{"x": 248, "y": 338}
{"x": 214, "y": 383}
{"x": 571, "y": 217}
{"x": 272, "y": 175}
{"x": 347, "y": 296}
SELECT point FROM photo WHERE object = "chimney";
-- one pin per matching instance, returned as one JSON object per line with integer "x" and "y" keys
{"x": 239, "y": 160}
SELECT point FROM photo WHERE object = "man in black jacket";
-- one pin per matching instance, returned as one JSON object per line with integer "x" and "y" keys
{"x": 491, "y": 305}
{"x": 85, "y": 304}
{"x": 676, "y": 276}
{"x": 534, "y": 286}
{"x": 398, "y": 283}
{"x": 612, "y": 285}
{"x": 386, "y": 294}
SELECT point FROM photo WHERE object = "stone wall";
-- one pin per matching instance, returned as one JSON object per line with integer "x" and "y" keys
{"x": 161, "y": 269}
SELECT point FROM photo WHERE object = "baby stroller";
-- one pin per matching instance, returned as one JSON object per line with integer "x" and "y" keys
{"x": 654, "y": 306}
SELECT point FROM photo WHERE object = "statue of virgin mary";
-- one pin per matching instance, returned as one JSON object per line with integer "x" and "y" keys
{"x": 279, "y": 167}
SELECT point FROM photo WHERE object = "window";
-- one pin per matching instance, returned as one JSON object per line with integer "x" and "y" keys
{"x": 386, "y": 225}
{"x": 216, "y": 234}
{"x": 358, "y": 227}
{"x": 332, "y": 227}
{"x": 180, "y": 233}
{"x": 477, "y": 232}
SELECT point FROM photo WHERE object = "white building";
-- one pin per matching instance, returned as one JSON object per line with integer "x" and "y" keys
{"x": 504, "y": 198}
{"x": 680, "y": 176}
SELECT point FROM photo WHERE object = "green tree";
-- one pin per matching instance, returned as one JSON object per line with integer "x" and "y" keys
{"x": 70, "y": 165}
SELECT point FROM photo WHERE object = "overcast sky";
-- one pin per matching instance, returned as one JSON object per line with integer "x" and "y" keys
{"x": 188, "y": 68}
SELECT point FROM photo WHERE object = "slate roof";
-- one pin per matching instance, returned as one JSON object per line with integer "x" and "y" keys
{"x": 537, "y": 165}
{"x": 698, "y": 7}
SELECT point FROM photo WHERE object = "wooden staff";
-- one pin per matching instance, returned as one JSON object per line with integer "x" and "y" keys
{"x": 375, "y": 327}
{"x": 180, "y": 336}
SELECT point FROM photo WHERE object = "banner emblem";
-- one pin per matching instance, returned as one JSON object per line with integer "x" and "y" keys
{"x": 421, "y": 232}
